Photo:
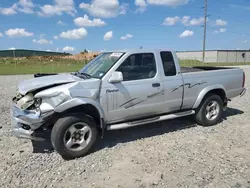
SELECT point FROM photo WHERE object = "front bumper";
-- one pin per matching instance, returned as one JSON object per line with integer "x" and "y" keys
{"x": 243, "y": 92}
{"x": 24, "y": 124}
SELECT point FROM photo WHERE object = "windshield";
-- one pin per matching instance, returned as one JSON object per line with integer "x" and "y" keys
{"x": 100, "y": 65}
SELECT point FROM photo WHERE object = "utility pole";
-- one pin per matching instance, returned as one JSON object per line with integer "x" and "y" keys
{"x": 205, "y": 32}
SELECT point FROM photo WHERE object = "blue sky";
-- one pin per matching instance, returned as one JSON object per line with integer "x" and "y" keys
{"x": 75, "y": 25}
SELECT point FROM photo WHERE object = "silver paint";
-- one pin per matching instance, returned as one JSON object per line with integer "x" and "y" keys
{"x": 118, "y": 100}
{"x": 78, "y": 135}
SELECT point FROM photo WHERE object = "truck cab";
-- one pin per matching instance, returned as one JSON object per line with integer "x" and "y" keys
{"x": 141, "y": 85}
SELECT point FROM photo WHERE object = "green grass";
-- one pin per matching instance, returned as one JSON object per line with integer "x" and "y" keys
{"x": 192, "y": 63}
{"x": 10, "y": 67}
{"x": 31, "y": 66}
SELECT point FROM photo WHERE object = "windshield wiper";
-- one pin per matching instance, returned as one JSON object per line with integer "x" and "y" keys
{"x": 85, "y": 75}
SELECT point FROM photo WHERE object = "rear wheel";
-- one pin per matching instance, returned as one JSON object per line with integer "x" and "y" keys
{"x": 210, "y": 111}
{"x": 74, "y": 136}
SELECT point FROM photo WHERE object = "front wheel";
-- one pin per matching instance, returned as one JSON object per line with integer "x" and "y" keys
{"x": 210, "y": 111}
{"x": 74, "y": 136}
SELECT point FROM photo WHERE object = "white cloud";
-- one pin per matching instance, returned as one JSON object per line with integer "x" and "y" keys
{"x": 12, "y": 48}
{"x": 171, "y": 3}
{"x": 86, "y": 22}
{"x": 221, "y": 30}
{"x": 56, "y": 37}
{"x": 171, "y": 20}
{"x": 245, "y": 41}
{"x": 104, "y": 9}
{"x": 60, "y": 7}
{"x": 186, "y": 33}
{"x": 18, "y": 32}
{"x": 61, "y": 23}
{"x": 196, "y": 21}
{"x": 8, "y": 11}
{"x": 25, "y": 6}
{"x": 42, "y": 41}
{"x": 1, "y": 35}
{"x": 68, "y": 49}
{"x": 141, "y": 5}
{"x": 187, "y": 21}
{"x": 48, "y": 50}
{"x": 74, "y": 34}
{"x": 220, "y": 22}
{"x": 108, "y": 35}
{"x": 127, "y": 36}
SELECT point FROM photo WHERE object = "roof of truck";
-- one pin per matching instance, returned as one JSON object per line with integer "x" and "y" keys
{"x": 141, "y": 50}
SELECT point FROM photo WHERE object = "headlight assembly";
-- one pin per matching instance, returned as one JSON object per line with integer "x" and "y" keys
{"x": 26, "y": 101}
{"x": 37, "y": 102}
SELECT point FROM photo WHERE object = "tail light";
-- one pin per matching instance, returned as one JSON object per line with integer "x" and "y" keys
{"x": 244, "y": 78}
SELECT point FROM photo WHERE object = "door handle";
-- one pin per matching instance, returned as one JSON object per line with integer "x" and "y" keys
{"x": 156, "y": 84}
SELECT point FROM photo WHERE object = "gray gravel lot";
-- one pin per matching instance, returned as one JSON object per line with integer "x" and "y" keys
{"x": 175, "y": 153}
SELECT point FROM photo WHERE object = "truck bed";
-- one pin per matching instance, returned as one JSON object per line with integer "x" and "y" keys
{"x": 200, "y": 69}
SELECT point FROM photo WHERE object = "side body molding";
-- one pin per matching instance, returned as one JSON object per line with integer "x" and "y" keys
{"x": 205, "y": 91}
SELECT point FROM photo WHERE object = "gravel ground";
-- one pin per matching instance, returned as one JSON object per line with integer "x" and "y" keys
{"x": 175, "y": 153}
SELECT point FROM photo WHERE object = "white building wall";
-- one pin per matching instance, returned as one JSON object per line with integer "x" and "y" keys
{"x": 190, "y": 55}
{"x": 216, "y": 56}
{"x": 240, "y": 59}
{"x": 248, "y": 57}
{"x": 222, "y": 56}
{"x": 211, "y": 56}
{"x": 231, "y": 57}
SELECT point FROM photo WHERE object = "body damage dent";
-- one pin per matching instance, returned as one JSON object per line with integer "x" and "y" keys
{"x": 67, "y": 92}
{"x": 45, "y": 82}
{"x": 78, "y": 102}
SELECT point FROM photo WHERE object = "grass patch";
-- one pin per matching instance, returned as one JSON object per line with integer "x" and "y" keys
{"x": 11, "y": 67}
{"x": 32, "y": 66}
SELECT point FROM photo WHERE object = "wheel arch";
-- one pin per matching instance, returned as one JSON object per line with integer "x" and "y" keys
{"x": 86, "y": 106}
{"x": 215, "y": 89}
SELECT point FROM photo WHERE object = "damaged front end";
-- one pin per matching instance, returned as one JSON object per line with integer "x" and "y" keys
{"x": 27, "y": 117}
{"x": 40, "y": 102}
{"x": 30, "y": 113}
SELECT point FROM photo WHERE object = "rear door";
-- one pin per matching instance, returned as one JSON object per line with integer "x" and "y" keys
{"x": 173, "y": 83}
{"x": 139, "y": 95}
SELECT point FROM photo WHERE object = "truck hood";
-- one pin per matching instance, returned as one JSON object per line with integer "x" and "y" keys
{"x": 46, "y": 81}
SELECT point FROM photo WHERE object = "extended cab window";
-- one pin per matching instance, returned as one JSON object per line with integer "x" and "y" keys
{"x": 138, "y": 66}
{"x": 168, "y": 63}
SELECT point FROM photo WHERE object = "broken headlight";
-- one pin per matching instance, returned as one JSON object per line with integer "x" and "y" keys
{"x": 26, "y": 101}
{"x": 37, "y": 102}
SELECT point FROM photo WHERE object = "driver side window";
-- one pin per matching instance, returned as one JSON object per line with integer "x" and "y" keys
{"x": 138, "y": 66}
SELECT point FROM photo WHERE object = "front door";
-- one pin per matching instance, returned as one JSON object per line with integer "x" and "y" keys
{"x": 139, "y": 95}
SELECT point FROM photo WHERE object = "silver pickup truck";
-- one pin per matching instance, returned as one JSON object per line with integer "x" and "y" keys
{"x": 117, "y": 90}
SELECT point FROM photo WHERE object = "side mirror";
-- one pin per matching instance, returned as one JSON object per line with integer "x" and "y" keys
{"x": 116, "y": 77}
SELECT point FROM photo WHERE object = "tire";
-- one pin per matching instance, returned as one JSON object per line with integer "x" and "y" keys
{"x": 74, "y": 136}
{"x": 202, "y": 116}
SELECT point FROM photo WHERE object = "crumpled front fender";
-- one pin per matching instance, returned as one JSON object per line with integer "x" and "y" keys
{"x": 78, "y": 102}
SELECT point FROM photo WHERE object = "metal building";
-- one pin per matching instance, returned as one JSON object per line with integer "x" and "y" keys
{"x": 217, "y": 56}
